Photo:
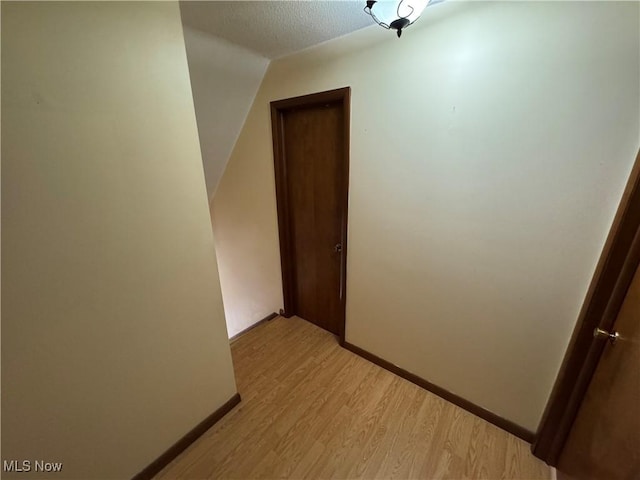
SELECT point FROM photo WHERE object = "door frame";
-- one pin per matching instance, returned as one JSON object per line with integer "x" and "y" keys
{"x": 287, "y": 258}
{"x": 614, "y": 272}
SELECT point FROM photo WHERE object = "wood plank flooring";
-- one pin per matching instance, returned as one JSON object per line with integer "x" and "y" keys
{"x": 311, "y": 409}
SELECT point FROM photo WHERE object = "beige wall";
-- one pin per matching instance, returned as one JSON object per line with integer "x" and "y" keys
{"x": 225, "y": 79}
{"x": 113, "y": 335}
{"x": 490, "y": 146}
{"x": 243, "y": 215}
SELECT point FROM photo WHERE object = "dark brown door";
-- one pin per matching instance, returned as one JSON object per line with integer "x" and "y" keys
{"x": 604, "y": 442}
{"x": 576, "y": 390}
{"x": 312, "y": 168}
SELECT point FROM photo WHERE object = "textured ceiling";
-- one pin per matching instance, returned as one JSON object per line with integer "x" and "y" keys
{"x": 275, "y": 28}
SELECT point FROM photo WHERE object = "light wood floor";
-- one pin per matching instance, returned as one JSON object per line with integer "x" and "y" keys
{"x": 311, "y": 409}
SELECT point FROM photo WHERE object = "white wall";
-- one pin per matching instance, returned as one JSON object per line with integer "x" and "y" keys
{"x": 113, "y": 336}
{"x": 489, "y": 148}
{"x": 224, "y": 79}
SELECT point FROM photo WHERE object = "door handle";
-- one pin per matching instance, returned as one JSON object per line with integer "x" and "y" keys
{"x": 338, "y": 249}
{"x": 603, "y": 334}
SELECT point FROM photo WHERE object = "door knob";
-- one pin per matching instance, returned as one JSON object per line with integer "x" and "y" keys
{"x": 338, "y": 247}
{"x": 603, "y": 334}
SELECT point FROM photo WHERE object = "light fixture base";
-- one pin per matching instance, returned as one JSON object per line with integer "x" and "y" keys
{"x": 399, "y": 24}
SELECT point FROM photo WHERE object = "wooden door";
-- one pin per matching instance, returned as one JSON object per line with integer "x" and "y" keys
{"x": 310, "y": 147}
{"x": 603, "y": 303}
{"x": 604, "y": 442}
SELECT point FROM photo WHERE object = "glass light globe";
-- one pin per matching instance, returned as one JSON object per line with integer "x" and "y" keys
{"x": 396, "y": 14}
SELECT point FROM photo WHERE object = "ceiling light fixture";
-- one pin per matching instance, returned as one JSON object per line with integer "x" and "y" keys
{"x": 395, "y": 14}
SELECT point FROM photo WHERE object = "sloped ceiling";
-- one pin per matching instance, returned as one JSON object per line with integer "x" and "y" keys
{"x": 275, "y": 28}
{"x": 229, "y": 45}
{"x": 224, "y": 81}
